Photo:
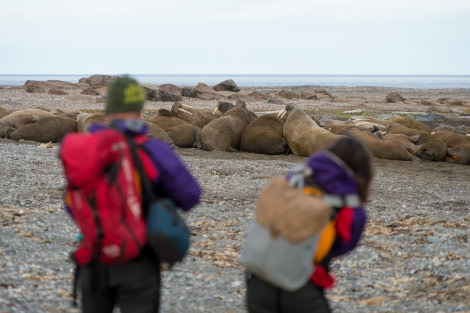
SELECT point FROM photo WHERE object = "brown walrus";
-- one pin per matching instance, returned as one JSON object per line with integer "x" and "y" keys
{"x": 434, "y": 149}
{"x": 410, "y": 123}
{"x": 157, "y": 132}
{"x": 85, "y": 119}
{"x": 383, "y": 149}
{"x": 183, "y": 134}
{"x": 223, "y": 133}
{"x": 303, "y": 134}
{"x": 47, "y": 129}
{"x": 264, "y": 136}
{"x": 198, "y": 117}
{"x": 458, "y": 146}
{"x": 4, "y": 112}
{"x": 16, "y": 119}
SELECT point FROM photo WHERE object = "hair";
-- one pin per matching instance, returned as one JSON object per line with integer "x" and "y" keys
{"x": 356, "y": 156}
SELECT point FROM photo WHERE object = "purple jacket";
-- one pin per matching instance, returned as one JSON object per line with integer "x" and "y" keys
{"x": 335, "y": 178}
{"x": 174, "y": 179}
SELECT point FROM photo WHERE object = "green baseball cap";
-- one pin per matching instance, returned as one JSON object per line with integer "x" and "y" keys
{"x": 124, "y": 95}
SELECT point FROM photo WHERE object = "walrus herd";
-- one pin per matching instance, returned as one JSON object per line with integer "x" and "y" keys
{"x": 233, "y": 127}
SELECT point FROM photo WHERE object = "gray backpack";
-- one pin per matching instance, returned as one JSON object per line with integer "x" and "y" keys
{"x": 281, "y": 242}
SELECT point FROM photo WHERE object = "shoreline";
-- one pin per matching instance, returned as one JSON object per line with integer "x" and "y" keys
{"x": 429, "y": 81}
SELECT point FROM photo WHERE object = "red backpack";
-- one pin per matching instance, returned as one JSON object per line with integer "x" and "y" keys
{"x": 104, "y": 195}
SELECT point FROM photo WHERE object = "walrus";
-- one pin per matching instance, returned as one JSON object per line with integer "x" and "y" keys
{"x": 199, "y": 117}
{"x": 47, "y": 129}
{"x": 4, "y": 112}
{"x": 157, "y": 132}
{"x": 304, "y": 136}
{"x": 183, "y": 134}
{"x": 458, "y": 146}
{"x": 85, "y": 119}
{"x": 223, "y": 133}
{"x": 380, "y": 124}
{"x": 187, "y": 113}
{"x": 73, "y": 114}
{"x": 370, "y": 124}
{"x": 223, "y": 106}
{"x": 341, "y": 127}
{"x": 410, "y": 123}
{"x": 20, "y": 118}
{"x": 264, "y": 136}
{"x": 383, "y": 149}
{"x": 408, "y": 142}
{"x": 434, "y": 149}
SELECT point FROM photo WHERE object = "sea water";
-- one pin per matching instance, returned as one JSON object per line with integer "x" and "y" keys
{"x": 261, "y": 80}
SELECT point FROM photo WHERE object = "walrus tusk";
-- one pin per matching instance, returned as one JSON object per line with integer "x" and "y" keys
{"x": 215, "y": 110}
{"x": 281, "y": 113}
{"x": 183, "y": 110}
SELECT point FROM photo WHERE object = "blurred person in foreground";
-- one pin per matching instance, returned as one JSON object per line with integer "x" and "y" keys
{"x": 343, "y": 168}
{"x": 134, "y": 286}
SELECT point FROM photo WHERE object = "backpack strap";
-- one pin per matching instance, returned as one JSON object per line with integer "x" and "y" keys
{"x": 148, "y": 195}
{"x": 351, "y": 200}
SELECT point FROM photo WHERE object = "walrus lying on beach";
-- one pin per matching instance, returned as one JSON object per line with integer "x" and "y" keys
{"x": 342, "y": 127}
{"x": 157, "y": 132}
{"x": 408, "y": 142}
{"x": 183, "y": 134}
{"x": 264, "y": 136}
{"x": 303, "y": 134}
{"x": 85, "y": 119}
{"x": 47, "y": 129}
{"x": 17, "y": 119}
{"x": 223, "y": 133}
{"x": 434, "y": 149}
{"x": 4, "y": 112}
{"x": 383, "y": 149}
{"x": 410, "y": 123}
{"x": 458, "y": 146}
{"x": 199, "y": 117}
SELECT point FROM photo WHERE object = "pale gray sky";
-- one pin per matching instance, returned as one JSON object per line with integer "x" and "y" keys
{"x": 235, "y": 37}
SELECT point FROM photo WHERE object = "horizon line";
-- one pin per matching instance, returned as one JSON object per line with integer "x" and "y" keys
{"x": 228, "y": 74}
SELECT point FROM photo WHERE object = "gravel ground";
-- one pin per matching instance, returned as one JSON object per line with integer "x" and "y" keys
{"x": 414, "y": 256}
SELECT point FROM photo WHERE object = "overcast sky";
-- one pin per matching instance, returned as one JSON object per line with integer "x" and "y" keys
{"x": 235, "y": 37}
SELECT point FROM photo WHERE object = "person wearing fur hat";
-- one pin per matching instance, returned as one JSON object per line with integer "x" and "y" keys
{"x": 343, "y": 169}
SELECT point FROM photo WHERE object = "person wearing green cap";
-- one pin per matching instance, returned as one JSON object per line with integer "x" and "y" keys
{"x": 134, "y": 286}
{"x": 126, "y": 96}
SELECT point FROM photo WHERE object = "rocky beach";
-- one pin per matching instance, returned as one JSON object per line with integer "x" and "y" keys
{"x": 414, "y": 256}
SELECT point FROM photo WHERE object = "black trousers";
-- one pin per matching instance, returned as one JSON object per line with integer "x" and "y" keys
{"x": 262, "y": 297}
{"x": 134, "y": 287}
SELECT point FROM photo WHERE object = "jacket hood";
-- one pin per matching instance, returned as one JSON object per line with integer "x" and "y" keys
{"x": 332, "y": 173}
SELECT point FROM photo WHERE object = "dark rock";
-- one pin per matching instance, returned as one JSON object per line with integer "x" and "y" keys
{"x": 162, "y": 95}
{"x": 97, "y": 80}
{"x": 227, "y": 85}
{"x": 170, "y": 88}
{"x": 394, "y": 97}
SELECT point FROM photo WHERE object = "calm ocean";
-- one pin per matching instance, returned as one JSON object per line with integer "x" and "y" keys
{"x": 398, "y": 81}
